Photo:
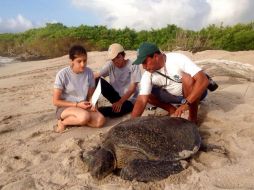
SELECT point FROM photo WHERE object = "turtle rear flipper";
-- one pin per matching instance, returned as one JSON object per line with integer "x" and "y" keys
{"x": 212, "y": 147}
{"x": 147, "y": 170}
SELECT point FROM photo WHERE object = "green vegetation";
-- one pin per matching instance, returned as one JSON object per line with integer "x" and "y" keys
{"x": 54, "y": 40}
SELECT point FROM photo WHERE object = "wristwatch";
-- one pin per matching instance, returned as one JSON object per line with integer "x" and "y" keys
{"x": 185, "y": 101}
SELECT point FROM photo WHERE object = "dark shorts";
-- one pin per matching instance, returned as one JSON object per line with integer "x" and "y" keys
{"x": 59, "y": 111}
{"x": 164, "y": 96}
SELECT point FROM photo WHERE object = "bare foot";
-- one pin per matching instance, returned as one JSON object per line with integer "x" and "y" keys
{"x": 60, "y": 127}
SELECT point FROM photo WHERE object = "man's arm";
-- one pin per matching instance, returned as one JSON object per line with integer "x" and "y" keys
{"x": 118, "y": 105}
{"x": 139, "y": 106}
{"x": 130, "y": 91}
{"x": 104, "y": 71}
{"x": 96, "y": 75}
{"x": 200, "y": 85}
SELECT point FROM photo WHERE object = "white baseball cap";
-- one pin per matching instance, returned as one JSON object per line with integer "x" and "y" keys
{"x": 114, "y": 50}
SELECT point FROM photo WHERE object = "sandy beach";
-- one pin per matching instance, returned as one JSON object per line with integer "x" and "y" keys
{"x": 32, "y": 156}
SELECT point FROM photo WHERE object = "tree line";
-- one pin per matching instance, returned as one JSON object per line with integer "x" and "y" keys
{"x": 54, "y": 40}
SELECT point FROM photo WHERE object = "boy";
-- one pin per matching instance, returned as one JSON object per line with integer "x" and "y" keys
{"x": 122, "y": 88}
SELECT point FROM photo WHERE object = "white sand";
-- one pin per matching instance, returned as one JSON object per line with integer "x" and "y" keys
{"x": 33, "y": 157}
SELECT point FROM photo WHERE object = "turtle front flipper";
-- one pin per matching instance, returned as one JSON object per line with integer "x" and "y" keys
{"x": 147, "y": 170}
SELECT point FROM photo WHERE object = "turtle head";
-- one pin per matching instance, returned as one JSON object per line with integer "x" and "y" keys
{"x": 102, "y": 163}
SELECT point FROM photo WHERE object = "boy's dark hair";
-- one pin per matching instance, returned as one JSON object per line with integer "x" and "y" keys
{"x": 76, "y": 50}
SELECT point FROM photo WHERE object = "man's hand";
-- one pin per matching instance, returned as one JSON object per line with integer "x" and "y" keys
{"x": 139, "y": 106}
{"x": 179, "y": 111}
{"x": 116, "y": 107}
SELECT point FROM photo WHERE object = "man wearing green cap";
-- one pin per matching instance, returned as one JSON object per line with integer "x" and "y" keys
{"x": 168, "y": 79}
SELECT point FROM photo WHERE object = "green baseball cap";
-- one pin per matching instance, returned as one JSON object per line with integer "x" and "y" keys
{"x": 144, "y": 50}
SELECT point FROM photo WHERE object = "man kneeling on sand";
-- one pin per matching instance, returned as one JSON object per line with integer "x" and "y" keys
{"x": 73, "y": 88}
{"x": 170, "y": 78}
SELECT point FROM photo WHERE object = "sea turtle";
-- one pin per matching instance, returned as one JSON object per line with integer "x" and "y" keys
{"x": 145, "y": 148}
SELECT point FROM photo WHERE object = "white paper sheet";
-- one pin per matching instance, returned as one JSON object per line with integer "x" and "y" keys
{"x": 96, "y": 93}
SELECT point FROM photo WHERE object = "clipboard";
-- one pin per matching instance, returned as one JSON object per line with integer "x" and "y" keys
{"x": 96, "y": 94}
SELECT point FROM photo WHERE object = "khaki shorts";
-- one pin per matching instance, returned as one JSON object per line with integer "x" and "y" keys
{"x": 59, "y": 111}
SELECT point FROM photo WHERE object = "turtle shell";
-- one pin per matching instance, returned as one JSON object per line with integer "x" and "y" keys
{"x": 153, "y": 138}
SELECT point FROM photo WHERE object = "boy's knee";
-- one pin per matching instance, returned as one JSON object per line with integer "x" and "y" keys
{"x": 84, "y": 119}
{"x": 100, "y": 121}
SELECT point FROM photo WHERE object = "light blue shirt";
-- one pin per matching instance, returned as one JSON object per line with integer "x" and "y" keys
{"x": 74, "y": 86}
{"x": 121, "y": 78}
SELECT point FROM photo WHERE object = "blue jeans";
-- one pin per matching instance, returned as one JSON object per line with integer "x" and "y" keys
{"x": 165, "y": 97}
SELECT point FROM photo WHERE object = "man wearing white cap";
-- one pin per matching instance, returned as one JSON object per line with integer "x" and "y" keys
{"x": 122, "y": 88}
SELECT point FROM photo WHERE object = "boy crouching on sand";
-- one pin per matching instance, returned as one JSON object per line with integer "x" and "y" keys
{"x": 73, "y": 88}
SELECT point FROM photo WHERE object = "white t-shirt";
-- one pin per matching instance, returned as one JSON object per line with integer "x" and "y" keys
{"x": 176, "y": 63}
{"x": 74, "y": 86}
{"x": 121, "y": 78}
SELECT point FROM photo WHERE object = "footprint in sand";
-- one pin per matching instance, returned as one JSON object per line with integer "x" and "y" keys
{"x": 234, "y": 179}
{"x": 13, "y": 163}
{"x": 6, "y": 119}
{"x": 249, "y": 118}
{"x": 26, "y": 183}
{"x": 249, "y": 132}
